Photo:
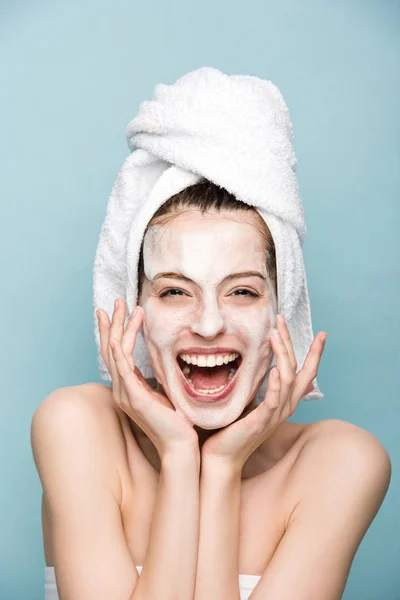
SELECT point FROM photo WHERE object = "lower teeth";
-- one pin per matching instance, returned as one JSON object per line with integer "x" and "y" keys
{"x": 215, "y": 390}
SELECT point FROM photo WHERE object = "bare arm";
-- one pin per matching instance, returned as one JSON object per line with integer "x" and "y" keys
{"x": 346, "y": 479}
{"x": 169, "y": 570}
{"x": 91, "y": 556}
{"x": 217, "y": 571}
{"x": 341, "y": 491}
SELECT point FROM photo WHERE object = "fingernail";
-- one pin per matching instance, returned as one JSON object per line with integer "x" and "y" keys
{"x": 281, "y": 320}
{"x": 277, "y": 336}
{"x": 323, "y": 338}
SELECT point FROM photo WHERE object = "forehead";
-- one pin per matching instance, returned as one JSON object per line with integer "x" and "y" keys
{"x": 229, "y": 234}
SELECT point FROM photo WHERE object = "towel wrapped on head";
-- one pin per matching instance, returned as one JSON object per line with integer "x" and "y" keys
{"x": 235, "y": 131}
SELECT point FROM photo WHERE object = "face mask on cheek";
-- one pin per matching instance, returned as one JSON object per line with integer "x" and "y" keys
{"x": 198, "y": 318}
{"x": 250, "y": 327}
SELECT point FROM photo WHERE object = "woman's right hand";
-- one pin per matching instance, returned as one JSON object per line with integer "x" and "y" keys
{"x": 152, "y": 411}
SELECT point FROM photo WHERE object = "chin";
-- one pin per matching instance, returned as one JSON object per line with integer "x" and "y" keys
{"x": 204, "y": 418}
{"x": 220, "y": 425}
{"x": 208, "y": 413}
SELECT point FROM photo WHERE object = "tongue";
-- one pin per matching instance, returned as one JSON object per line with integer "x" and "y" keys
{"x": 208, "y": 378}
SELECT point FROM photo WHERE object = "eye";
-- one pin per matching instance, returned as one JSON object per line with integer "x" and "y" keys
{"x": 253, "y": 294}
{"x": 174, "y": 292}
{"x": 167, "y": 292}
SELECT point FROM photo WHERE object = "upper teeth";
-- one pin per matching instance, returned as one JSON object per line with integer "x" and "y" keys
{"x": 210, "y": 360}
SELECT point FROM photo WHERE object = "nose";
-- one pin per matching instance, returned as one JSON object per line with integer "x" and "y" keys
{"x": 209, "y": 321}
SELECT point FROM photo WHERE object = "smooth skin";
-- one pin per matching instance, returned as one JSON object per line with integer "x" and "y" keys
{"x": 324, "y": 528}
{"x": 176, "y": 443}
{"x": 224, "y": 453}
{"x": 334, "y": 486}
{"x": 131, "y": 392}
{"x": 239, "y": 440}
{"x": 234, "y": 443}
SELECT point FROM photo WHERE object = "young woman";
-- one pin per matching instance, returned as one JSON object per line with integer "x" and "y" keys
{"x": 186, "y": 480}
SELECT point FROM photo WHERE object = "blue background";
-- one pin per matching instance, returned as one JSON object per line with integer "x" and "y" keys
{"x": 73, "y": 75}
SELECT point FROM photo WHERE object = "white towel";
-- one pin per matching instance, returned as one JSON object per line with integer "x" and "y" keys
{"x": 236, "y": 132}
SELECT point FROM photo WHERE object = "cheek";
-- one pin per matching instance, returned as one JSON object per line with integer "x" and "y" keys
{"x": 253, "y": 325}
{"x": 161, "y": 325}
{"x": 266, "y": 325}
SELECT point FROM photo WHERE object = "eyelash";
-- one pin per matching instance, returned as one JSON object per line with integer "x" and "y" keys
{"x": 166, "y": 292}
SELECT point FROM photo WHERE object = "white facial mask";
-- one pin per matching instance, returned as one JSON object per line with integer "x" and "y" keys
{"x": 206, "y": 248}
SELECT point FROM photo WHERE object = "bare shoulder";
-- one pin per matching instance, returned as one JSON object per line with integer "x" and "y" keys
{"x": 335, "y": 454}
{"x": 95, "y": 395}
{"x": 335, "y": 431}
{"x": 65, "y": 405}
{"x": 87, "y": 407}
{"x": 94, "y": 399}
{"x": 74, "y": 436}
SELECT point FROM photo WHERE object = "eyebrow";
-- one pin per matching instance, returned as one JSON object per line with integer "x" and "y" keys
{"x": 174, "y": 275}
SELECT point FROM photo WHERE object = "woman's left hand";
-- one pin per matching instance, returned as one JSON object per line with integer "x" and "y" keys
{"x": 236, "y": 442}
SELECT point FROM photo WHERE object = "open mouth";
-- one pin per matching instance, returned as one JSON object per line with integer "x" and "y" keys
{"x": 211, "y": 383}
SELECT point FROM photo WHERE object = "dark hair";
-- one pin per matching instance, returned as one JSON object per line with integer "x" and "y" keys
{"x": 207, "y": 196}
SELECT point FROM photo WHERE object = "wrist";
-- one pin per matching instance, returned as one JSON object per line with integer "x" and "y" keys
{"x": 181, "y": 455}
{"x": 220, "y": 466}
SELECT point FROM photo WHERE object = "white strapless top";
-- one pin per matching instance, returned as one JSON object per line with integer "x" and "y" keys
{"x": 247, "y": 583}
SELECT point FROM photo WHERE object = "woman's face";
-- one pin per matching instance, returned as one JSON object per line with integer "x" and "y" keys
{"x": 213, "y": 308}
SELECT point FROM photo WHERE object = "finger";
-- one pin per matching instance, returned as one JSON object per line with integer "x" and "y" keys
{"x": 130, "y": 335}
{"x": 142, "y": 380}
{"x": 115, "y": 377}
{"x": 273, "y": 396}
{"x": 285, "y": 335}
{"x": 118, "y": 320}
{"x": 104, "y": 327}
{"x": 286, "y": 371}
{"x": 115, "y": 333}
{"x": 125, "y": 373}
{"x": 260, "y": 417}
{"x": 310, "y": 368}
{"x": 309, "y": 389}
{"x": 134, "y": 395}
